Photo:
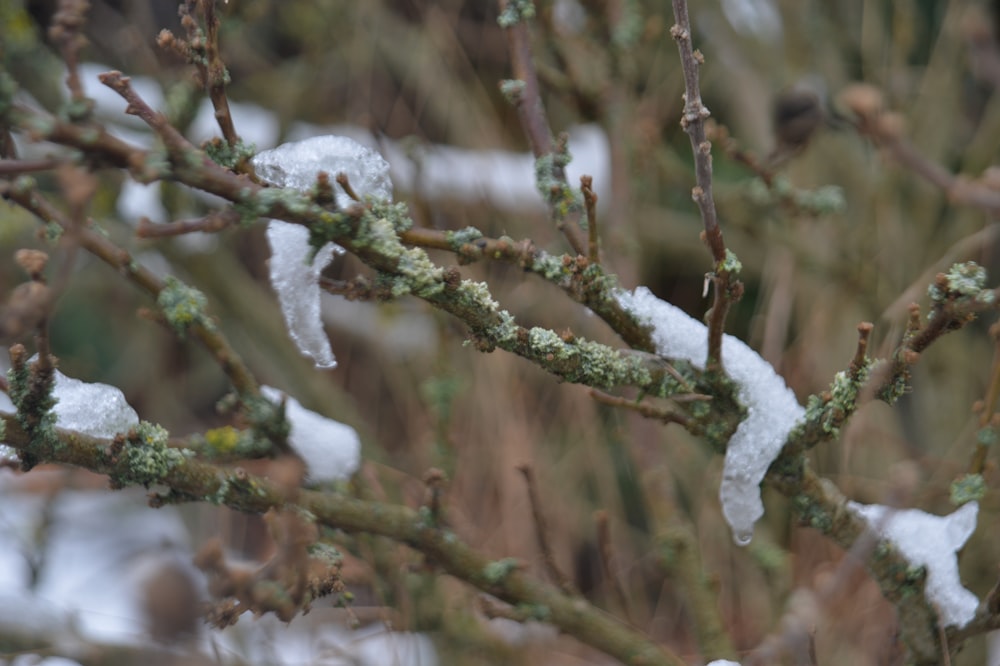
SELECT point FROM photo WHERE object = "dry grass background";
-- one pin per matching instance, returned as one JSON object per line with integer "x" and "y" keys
{"x": 429, "y": 70}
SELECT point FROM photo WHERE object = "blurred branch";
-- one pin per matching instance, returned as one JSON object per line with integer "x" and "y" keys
{"x": 887, "y": 130}
{"x": 550, "y": 156}
{"x": 24, "y": 193}
{"x": 542, "y": 531}
{"x": 198, "y": 481}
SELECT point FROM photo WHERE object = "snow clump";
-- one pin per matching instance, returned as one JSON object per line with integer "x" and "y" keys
{"x": 772, "y": 409}
{"x": 933, "y": 542}
{"x": 331, "y": 450}
{"x": 294, "y": 277}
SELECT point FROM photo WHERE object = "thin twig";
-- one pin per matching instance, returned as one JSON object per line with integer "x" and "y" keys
{"x": 215, "y": 221}
{"x": 118, "y": 258}
{"x": 534, "y": 121}
{"x": 607, "y": 555}
{"x": 215, "y": 75}
{"x": 590, "y": 204}
{"x": 67, "y": 31}
{"x": 645, "y": 409}
{"x": 860, "y": 360}
{"x": 728, "y": 289}
{"x": 988, "y": 407}
{"x": 15, "y": 167}
{"x": 345, "y": 184}
{"x": 886, "y": 129}
{"x": 542, "y": 531}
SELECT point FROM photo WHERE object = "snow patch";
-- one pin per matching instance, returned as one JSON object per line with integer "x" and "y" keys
{"x": 330, "y": 449}
{"x": 294, "y": 277}
{"x": 933, "y": 542}
{"x": 772, "y": 409}
{"x": 98, "y": 410}
{"x": 296, "y": 165}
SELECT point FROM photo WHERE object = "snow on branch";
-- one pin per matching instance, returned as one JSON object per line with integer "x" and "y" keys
{"x": 295, "y": 267}
{"x": 933, "y": 542}
{"x": 772, "y": 409}
{"x": 331, "y": 450}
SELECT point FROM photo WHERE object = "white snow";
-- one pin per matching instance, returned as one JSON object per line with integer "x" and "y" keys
{"x": 95, "y": 409}
{"x": 296, "y": 164}
{"x": 932, "y": 542}
{"x": 723, "y": 662}
{"x": 293, "y": 277}
{"x": 757, "y": 18}
{"x": 772, "y": 409}
{"x": 98, "y": 410}
{"x": 330, "y": 449}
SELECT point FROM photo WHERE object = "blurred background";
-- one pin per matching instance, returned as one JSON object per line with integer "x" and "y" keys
{"x": 843, "y": 235}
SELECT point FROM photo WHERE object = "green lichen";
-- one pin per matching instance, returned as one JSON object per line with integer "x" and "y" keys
{"x": 551, "y": 185}
{"x": 8, "y": 89}
{"x": 495, "y": 572}
{"x": 833, "y": 409}
{"x": 31, "y": 392}
{"x": 544, "y": 341}
{"x": 731, "y": 264}
{"x": 266, "y": 418}
{"x": 53, "y": 232}
{"x": 512, "y": 89}
{"x": 222, "y": 441}
{"x": 969, "y": 488}
{"x": 182, "y": 306}
{"x": 379, "y": 235}
{"x": 987, "y": 436}
{"x": 456, "y": 239}
{"x": 76, "y": 110}
{"x": 396, "y": 213}
{"x": 155, "y": 166}
{"x": 226, "y": 155}
{"x": 597, "y": 365}
{"x": 629, "y": 28}
{"x": 146, "y": 456}
{"x": 426, "y": 518}
{"x": 326, "y": 552}
{"x": 812, "y": 513}
{"x": 826, "y": 200}
{"x": 962, "y": 281}
{"x": 550, "y": 267}
{"x": 606, "y": 367}
{"x": 515, "y": 12}
{"x": 422, "y": 276}
{"x": 537, "y": 612}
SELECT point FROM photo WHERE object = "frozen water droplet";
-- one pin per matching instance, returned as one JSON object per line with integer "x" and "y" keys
{"x": 743, "y": 538}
